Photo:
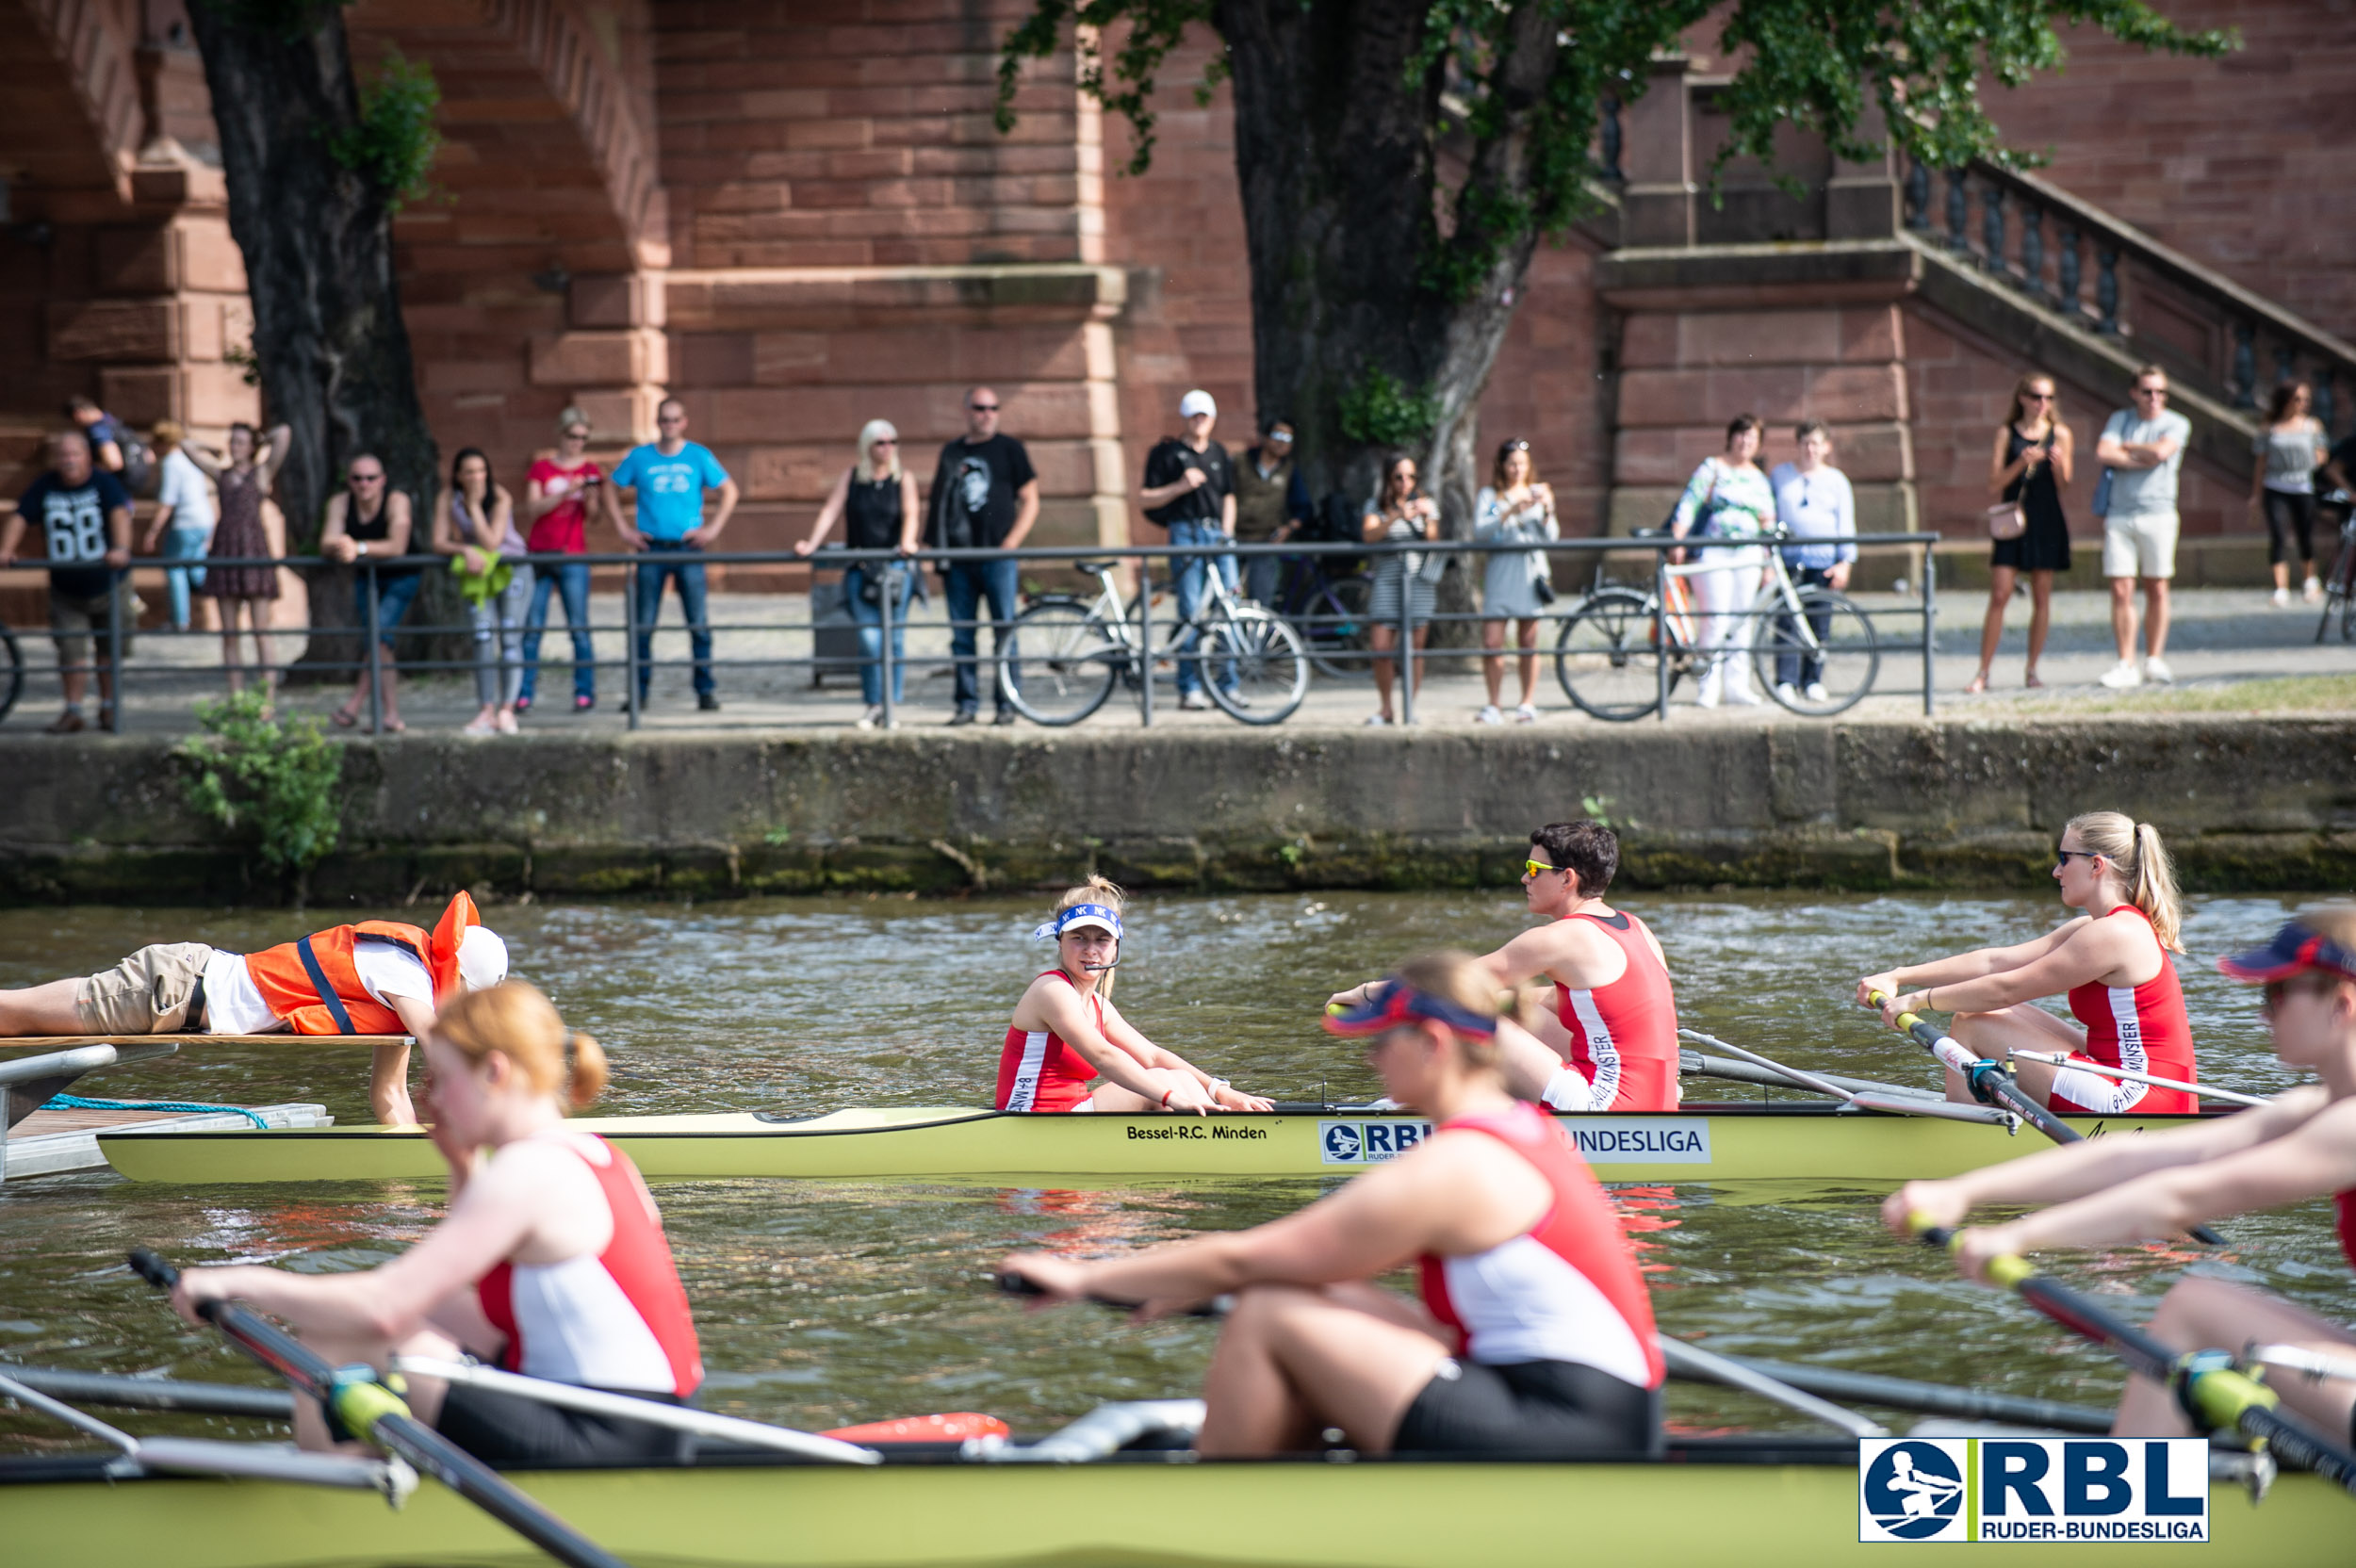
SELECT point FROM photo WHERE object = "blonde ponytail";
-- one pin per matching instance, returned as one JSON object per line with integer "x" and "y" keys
{"x": 586, "y": 1080}
{"x": 2134, "y": 849}
{"x": 520, "y": 1023}
{"x": 1461, "y": 978}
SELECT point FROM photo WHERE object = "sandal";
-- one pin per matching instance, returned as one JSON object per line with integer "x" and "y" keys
{"x": 1979, "y": 684}
{"x": 344, "y": 720}
{"x": 2033, "y": 683}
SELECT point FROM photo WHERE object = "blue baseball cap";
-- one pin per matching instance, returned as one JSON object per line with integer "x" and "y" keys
{"x": 1396, "y": 1002}
{"x": 2294, "y": 949}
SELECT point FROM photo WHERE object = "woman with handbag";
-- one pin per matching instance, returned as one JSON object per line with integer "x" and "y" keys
{"x": 876, "y": 499}
{"x": 1515, "y": 507}
{"x": 1400, "y": 514}
{"x": 2026, "y": 469}
{"x": 1728, "y": 499}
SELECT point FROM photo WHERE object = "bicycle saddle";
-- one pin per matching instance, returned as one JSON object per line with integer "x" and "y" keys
{"x": 1096, "y": 566}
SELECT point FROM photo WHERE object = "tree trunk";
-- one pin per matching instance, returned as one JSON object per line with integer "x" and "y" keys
{"x": 319, "y": 260}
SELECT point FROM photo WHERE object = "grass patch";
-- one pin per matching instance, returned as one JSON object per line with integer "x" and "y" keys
{"x": 2288, "y": 693}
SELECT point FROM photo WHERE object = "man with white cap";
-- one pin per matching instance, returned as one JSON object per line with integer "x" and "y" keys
{"x": 1190, "y": 490}
{"x": 378, "y": 978}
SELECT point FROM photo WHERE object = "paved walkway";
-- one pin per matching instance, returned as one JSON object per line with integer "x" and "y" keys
{"x": 2222, "y": 638}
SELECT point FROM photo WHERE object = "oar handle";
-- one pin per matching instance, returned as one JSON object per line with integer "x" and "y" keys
{"x": 1011, "y": 1283}
{"x": 2008, "y": 1269}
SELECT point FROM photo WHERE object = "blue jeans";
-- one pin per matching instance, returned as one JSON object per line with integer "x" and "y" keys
{"x": 965, "y": 583}
{"x": 392, "y": 602}
{"x": 1190, "y": 572}
{"x": 183, "y": 544}
{"x": 690, "y": 578}
{"x": 1800, "y": 667}
{"x": 900, "y": 583}
{"x": 571, "y": 580}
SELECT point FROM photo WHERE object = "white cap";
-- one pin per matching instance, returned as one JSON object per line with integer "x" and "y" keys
{"x": 1197, "y": 401}
{"x": 1088, "y": 922}
{"x": 482, "y": 959}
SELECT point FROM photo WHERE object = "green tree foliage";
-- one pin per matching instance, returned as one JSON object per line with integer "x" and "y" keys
{"x": 274, "y": 783}
{"x": 393, "y": 146}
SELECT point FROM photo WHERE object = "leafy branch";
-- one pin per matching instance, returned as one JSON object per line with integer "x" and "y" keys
{"x": 393, "y": 146}
{"x": 275, "y": 783}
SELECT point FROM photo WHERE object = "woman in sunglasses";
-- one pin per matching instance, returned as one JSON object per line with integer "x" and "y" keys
{"x": 2114, "y": 1192}
{"x": 2112, "y": 961}
{"x": 1534, "y": 1333}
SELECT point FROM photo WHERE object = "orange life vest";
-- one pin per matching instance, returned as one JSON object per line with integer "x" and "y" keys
{"x": 315, "y": 986}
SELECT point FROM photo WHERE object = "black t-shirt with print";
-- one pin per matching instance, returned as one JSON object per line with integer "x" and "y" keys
{"x": 976, "y": 493}
{"x": 1168, "y": 462}
{"x": 72, "y": 520}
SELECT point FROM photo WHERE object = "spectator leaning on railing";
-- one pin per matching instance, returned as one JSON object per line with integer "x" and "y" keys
{"x": 369, "y": 521}
{"x": 1271, "y": 505}
{"x": 668, "y": 479}
{"x": 2142, "y": 448}
{"x": 985, "y": 497}
{"x": 84, "y": 515}
{"x": 1190, "y": 490}
{"x": 557, "y": 495}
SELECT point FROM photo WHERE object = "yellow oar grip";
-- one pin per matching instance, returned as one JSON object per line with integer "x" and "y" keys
{"x": 2008, "y": 1269}
{"x": 2222, "y": 1394}
{"x": 1335, "y": 1008}
{"x": 361, "y": 1406}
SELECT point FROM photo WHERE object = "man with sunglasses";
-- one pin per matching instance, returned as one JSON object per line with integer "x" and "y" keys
{"x": 984, "y": 498}
{"x": 2121, "y": 1192}
{"x": 2143, "y": 448}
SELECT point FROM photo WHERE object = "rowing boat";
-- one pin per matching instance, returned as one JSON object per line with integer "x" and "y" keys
{"x": 1764, "y": 1501}
{"x": 1702, "y": 1142}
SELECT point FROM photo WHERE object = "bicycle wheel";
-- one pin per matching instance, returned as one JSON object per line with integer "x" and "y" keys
{"x": 11, "y": 670}
{"x": 1605, "y": 656}
{"x": 2339, "y": 596}
{"x": 1831, "y": 639}
{"x": 1060, "y": 663}
{"x": 1271, "y": 670}
{"x": 1337, "y": 629}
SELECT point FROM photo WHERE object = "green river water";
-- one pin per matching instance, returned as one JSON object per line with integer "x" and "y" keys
{"x": 823, "y": 1303}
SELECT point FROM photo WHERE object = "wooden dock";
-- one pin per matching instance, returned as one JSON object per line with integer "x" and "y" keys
{"x": 47, "y": 1142}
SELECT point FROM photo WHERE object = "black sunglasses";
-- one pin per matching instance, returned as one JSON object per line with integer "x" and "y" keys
{"x": 983, "y": 408}
{"x": 2062, "y": 857}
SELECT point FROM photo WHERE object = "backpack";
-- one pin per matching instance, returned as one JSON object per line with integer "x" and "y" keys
{"x": 139, "y": 469}
{"x": 1338, "y": 522}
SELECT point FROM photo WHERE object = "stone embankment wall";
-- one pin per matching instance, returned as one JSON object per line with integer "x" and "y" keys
{"x": 2246, "y": 804}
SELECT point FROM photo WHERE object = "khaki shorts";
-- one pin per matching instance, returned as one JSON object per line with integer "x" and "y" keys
{"x": 2141, "y": 544}
{"x": 74, "y": 619}
{"x": 147, "y": 993}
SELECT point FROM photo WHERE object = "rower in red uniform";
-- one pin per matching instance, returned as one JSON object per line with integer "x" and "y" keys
{"x": 1534, "y": 1334}
{"x": 1066, "y": 1030}
{"x": 2112, "y": 961}
{"x": 551, "y": 1260}
{"x": 2117, "y": 1192}
{"x": 1612, "y": 1044}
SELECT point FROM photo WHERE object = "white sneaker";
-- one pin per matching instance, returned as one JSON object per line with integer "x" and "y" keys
{"x": 1740, "y": 691}
{"x": 1526, "y": 713}
{"x": 1236, "y": 696}
{"x": 1375, "y": 719}
{"x": 1193, "y": 702}
{"x": 1714, "y": 688}
{"x": 2157, "y": 671}
{"x": 1786, "y": 691}
{"x": 1489, "y": 714}
{"x": 2122, "y": 676}
{"x": 2314, "y": 589}
{"x": 2282, "y": 598}
{"x": 1816, "y": 692}
{"x": 870, "y": 719}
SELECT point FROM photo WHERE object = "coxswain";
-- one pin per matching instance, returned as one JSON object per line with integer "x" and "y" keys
{"x": 551, "y": 1261}
{"x": 1534, "y": 1333}
{"x": 1612, "y": 1044}
{"x": 377, "y": 977}
{"x": 1067, "y": 1031}
{"x": 2116, "y": 1191}
{"x": 2113, "y": 963}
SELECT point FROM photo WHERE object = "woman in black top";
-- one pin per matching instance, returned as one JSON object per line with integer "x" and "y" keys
{"x": 876, "y": 499}
{"x": 2029, "y": 464}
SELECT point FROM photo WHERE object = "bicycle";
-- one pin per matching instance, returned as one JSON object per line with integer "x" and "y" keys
{"x": 1329, "y": 614}
{"x": 1608, "y": 663}
{"x": 11, "y": 670}
{"x": 2339, "y": 593}
{"x": 1064, "y": 654}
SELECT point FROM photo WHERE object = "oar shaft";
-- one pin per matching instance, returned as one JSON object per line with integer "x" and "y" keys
{"x": 2053, "y": 1060}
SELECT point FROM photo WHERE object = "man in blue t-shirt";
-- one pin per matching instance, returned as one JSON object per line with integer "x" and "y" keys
{"x": 84, "y": 515}
{"x": 669, "y": 479}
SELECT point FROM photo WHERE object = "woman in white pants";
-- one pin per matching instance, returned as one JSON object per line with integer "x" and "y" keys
{"x": 1727, "y": 498}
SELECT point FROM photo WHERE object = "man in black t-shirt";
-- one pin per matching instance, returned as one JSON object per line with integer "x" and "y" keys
{"x": 1190, "y": 490}
{"x": 84, "y": 515}
{"x": 985, "y": 497}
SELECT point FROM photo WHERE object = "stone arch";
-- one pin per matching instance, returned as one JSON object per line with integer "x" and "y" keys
{"x": 74, "y": 122}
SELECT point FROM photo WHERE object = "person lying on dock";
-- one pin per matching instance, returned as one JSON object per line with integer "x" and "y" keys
{"x": 1067, "y": 1031}
{"x": 2118, "y": 1191}
{"x": 378, "y": 978}
{"x": 1535, "y": 1335}
{"x": 1613, "y": 1043}
{"x": 551, "y": 1261}
{"x": 2113, "y": 963}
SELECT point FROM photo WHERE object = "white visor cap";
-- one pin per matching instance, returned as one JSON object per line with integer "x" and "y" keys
{"x": 1089, "y": 922}
{"x": 482, "y": 959}
{"x": 1197, "y": 401}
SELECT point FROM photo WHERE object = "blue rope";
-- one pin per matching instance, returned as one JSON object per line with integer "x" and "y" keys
{"x": 75, "y": 1103}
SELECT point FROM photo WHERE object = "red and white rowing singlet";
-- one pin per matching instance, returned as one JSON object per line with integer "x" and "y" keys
{"x": 2344, "y": 1220}
{"x": 1038, "y": 1071}
{"x": 2142, "y": 1028}
{"x": 617, "y": 1320}
{"x": 1565, "y": 1290}
{"x": 1624, "y": 1035}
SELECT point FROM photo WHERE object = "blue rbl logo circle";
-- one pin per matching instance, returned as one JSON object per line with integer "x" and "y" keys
{"x": 1341, "y": 1141}
{"x": 1913, "y": 1489}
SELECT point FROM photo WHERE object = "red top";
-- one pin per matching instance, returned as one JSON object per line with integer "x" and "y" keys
{"x": 1038, "y": 1071}
{"x": 2343, "y": 1212}
{"x": 2142, "y": 1028}
{"x": 618, "y": 1320}
{"x": 563, "y": 529}
{"x": 1566, "y": 1289}
{"x": 1624, "y": 1035}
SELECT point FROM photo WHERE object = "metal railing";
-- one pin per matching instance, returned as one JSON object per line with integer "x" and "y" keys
{"x": 1595, "y": 553}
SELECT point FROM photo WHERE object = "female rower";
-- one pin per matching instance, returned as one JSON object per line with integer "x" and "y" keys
{"x": 551, "y": 1260}
{"x": 1066, "y": 1030}
{"x": 2109, "y": 1192}
{"x": 2113, "y": 961}
{"x": 1535, "y": 1335}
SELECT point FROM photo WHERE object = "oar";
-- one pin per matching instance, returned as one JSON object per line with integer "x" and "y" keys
{"x": 105, "y": 1388}
{"x": 1990, "y": 1083}
{"x": 60, "y": 1042}
{"x": 701, "y": 1423}
{"x": 1968, "y": 1404}
{"x": 376, "y": 1413}
{"x": 2311, "y": 1365}
{"x": 2212, "y": 1390}
{"x": 1897, "y": 1101}
{"x": 2055, "y": 1059}
{"x": 1712, "y": 1068}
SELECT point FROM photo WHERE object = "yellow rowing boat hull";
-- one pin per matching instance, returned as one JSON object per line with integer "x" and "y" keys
{"x": 1704, "y": 1143}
